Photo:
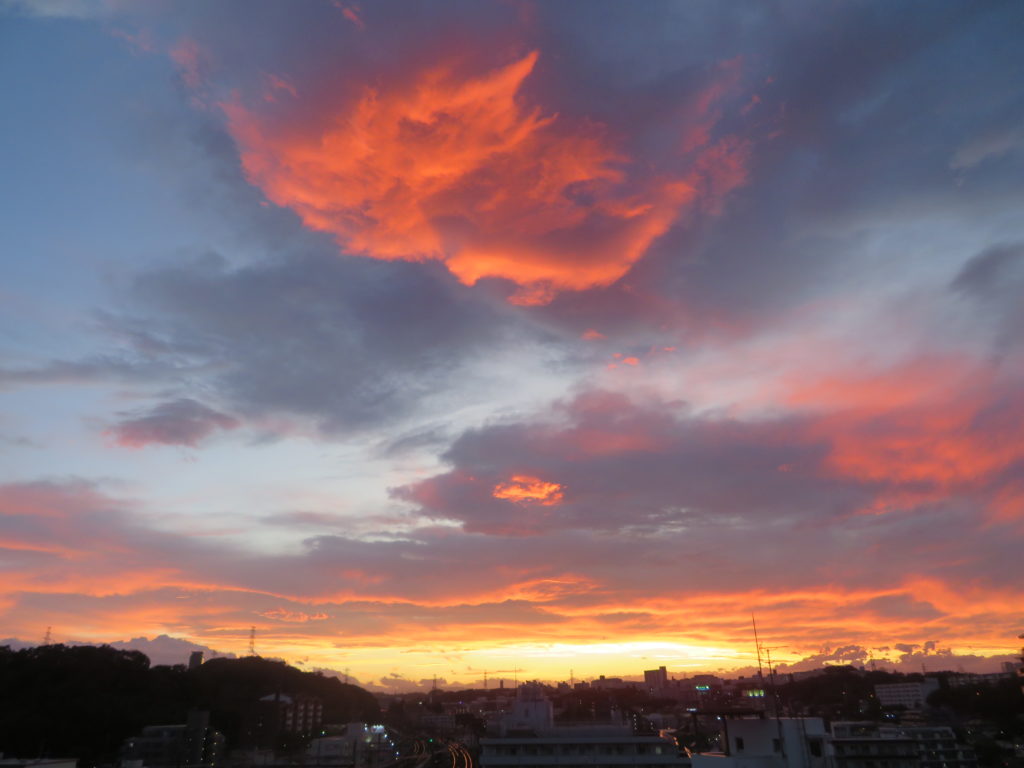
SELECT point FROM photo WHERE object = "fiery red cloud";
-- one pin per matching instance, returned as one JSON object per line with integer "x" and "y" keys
{"x": 461, "y": 169}
{"x": 525, "y": 489}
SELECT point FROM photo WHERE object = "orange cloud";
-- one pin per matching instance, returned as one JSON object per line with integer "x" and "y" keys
{"x": 524, "y": 489}
{"x": 460, "y": 169}
{"x": 930, "y": 426}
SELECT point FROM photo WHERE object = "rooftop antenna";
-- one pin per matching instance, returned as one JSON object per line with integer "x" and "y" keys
{"x": 757, "y": 647}
{"x": 434, "y": 686}
{"x": 775, "y": 701}
{"x": 485, "y": 679}
{"x": 252, "y": 641}
{"x": 572, "y": 679}
{"x": 48, "y": 640}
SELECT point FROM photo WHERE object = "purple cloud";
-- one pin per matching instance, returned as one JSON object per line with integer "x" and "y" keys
{"x": 177, "y": 422}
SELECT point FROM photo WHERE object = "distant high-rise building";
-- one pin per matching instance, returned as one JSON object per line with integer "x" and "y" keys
{"x": 195, "y": 660}
{"x": 655, "y": 680}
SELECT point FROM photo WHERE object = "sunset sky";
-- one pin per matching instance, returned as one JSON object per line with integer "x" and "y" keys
{"x": 465, "y": 337}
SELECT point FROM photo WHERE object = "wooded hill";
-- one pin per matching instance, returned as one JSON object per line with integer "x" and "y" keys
{"x": 84, "y": 701}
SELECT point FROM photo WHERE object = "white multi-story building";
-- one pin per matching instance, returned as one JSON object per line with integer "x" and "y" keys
{"x": 528, "y": 737}
{"x": 803, "y": 742}
{"x": 788, "y": 742}
{"x": 909, "y": 695}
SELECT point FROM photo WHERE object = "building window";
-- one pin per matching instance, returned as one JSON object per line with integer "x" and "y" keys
{"x": 739, "y": 744}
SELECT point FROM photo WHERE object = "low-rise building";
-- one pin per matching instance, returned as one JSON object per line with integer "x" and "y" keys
{"x": 870, "y": 745}
{"x": 192, "y": 743}
{"x": 909, "y": 695}
{"x": 360, "y": 746}
{"x": 875, "y": 745}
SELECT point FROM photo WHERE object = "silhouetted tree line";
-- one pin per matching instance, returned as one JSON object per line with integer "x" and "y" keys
{"x": 1001, "y": 704}
{"x": 847, "y": 693}
{"x": 841, "y": 693}
{"x": 84, "y": 701}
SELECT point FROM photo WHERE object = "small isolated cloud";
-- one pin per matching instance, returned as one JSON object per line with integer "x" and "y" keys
{"x": 177, "y": 422}
{"x": 987, "y": 146}
{"x": 523, "y": 489}
{"x": 58, "y": 9}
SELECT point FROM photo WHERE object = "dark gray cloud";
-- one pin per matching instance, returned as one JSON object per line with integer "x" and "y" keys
{"x": 993, "y": 281}
{"x": 344, "y": 343}
{"x": 992, "y": 272}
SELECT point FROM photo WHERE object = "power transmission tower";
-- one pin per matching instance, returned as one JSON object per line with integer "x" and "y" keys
{"x": 252, "y": 641}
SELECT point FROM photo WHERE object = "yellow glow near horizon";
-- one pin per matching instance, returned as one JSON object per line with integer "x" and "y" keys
{"x": 467, "y": 665}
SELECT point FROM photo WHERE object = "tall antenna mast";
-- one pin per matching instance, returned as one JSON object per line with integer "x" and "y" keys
{"x": 757, "y": 647}
{"x": 572, "y": 679}
{"x": 485, "y": 679}
{"x": 252, "y": 641}
{"x": 48, "y": 640}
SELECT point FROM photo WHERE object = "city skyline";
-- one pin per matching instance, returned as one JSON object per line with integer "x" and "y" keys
{"x": 435, "y": 339}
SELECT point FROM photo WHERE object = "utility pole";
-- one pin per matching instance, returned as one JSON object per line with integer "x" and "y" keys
{"x": 757, "y": 647}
